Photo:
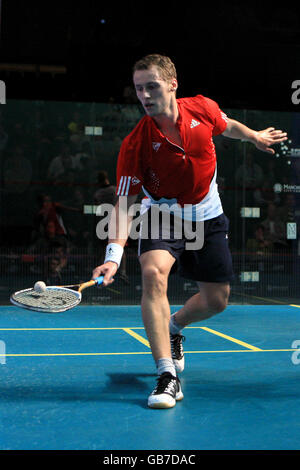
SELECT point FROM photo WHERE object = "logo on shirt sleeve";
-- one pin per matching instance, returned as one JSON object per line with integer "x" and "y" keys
{"x": 224, "y": 116}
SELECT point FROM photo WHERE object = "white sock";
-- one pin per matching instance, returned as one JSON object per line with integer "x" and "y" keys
{"x": 175, "y": 329}
{"x": 165, "y": 364}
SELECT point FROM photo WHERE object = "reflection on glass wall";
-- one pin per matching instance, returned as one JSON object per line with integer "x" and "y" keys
{"x": 58, "y": 162}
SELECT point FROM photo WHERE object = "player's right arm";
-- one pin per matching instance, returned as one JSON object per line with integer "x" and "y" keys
{"x": 118, "y": 233}
{"x": 129, "y": 184}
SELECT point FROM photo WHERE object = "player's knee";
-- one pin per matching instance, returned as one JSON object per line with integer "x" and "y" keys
{"x": 218, "y": 304}
{"x": 154, "y": 281}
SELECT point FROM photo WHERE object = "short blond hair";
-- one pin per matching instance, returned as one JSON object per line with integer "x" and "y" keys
{"x": 163, "y": 63}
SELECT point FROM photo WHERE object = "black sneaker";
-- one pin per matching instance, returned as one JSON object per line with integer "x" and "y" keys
{"x": 166, "y": 393}
{"x": 177, "y": 351}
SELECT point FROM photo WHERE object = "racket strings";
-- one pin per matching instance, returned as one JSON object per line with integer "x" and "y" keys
{"x": 50, "y": 300}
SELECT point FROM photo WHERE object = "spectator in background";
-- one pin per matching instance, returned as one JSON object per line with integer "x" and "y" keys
{"x": 53, "y": 275}
{"x": 75, "y": 126}
{"x": 274, "y": 227}
{"x": 265, "y": 194}
{"x": 106, "y": 193}
{"x": 19, "y": 134}
{"x": 59, "y": 129}
{"x": 86, "y": 164}
{"x": 287, "y": 212}
{"x": 50, "y": 211}
{"x": 129, "y": 95}
{"x": 62, "y": 163}
{"x": 273, "y": 172}
{"x": 65, "y": 267}
{"x": 250, "y": 176}
{"x": 38, "y": 124}
{"x": 83, "y": 155}
{"x": 17, "y": 171}
{"x": 77, "y": 135}
{"x": 78, "y": 227}
{"x": 259, "y": 245}
{"x": 61, "y": 253}
{"x": 49, "y": 241}
{"x": 3, "y": 134}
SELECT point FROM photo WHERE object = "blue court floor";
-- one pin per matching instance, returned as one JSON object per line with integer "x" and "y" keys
{"x": 79, "y": 380}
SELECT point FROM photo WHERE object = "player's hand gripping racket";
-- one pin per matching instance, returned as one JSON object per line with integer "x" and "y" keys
{"x": 54, "y": 299}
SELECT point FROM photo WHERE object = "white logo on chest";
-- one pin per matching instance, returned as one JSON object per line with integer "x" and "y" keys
{"x": 156, "y": 146}
{"x": 194, "y": 123}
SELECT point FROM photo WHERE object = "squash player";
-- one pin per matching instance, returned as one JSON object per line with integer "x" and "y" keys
{"x": 171, "y": 156}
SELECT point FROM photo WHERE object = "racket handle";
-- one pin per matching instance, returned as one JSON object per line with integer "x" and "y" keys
{"x": 99, "y": 280}
{"x": 93, "y": 282}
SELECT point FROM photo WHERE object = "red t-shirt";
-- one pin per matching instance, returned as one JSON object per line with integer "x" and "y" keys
{"x": 147, "y": 158}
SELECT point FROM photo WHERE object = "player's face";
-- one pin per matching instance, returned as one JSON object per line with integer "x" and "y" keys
{"x": 154, "y": 92}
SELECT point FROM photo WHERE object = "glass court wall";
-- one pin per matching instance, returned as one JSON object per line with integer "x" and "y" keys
{"x": 53, "y": 154}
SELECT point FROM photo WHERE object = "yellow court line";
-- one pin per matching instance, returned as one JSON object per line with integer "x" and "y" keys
{"x": 67, "y": 329}
{"x": 75, "y": 354}
{"x": 260, "y": 298}
{"x": 267, "y": 299}
{"x": 145, "y": 352}
{"x": 242, "y": 351}
{"x": 234, "y": 340}
{"x": 136, "y": 336}
{"x": 91, "y": 329}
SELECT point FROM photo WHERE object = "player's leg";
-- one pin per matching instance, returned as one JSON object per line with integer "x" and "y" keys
{"x": 210, "y": 300}
{"x": 156, "y": 266}
{"x": 212, "y": 265}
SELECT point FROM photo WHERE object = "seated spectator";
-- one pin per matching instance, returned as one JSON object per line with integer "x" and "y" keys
{"x": 63, "y": 162}
{"x": 275, "y": 229}
{"x": 53, "y": 275}
{"x": 287, "y": 212}
{"x": 59, "y": 129}
{"x": 48, "y": 242}
{"x": 129, "y": 95}
{"x": 249, "y": 176}
{"x": 17, "y": 171}
{"x": 60, "y": 252}
{"x": 106, "y": 193}
{"x": 64, "y": 184}
{"x": 83, "y": 155}
{"x": 273, "y": 171}
{"x": 86, "y": 164}
{"x": 78, "y": 228}
{"x": 258, "y": 244}
{"x": 50, "y": 211}
{"x": 3, "y": 135}
{"x": 265, "y": 194}
{"x": 76, "y": 123}
{"x": 66, "y": 265}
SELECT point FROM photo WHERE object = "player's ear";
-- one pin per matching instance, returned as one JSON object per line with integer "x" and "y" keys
{"x": 173, "y": 84}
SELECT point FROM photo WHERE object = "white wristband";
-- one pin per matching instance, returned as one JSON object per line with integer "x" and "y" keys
{"x": 114, "y": 252}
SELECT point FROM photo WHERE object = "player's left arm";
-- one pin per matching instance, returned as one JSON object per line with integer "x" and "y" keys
{"x": 261, "y": 139}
